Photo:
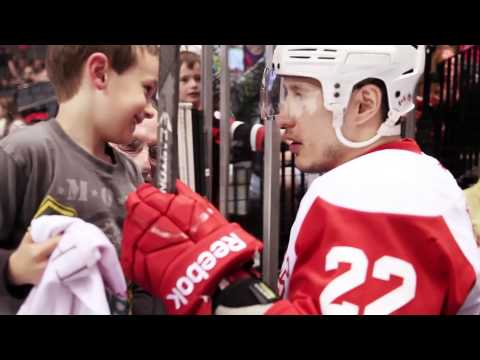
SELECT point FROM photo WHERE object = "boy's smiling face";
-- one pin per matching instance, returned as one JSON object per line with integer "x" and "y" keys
{"x": 127, "y": 99}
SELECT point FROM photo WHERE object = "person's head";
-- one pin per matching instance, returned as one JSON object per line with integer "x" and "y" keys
{"x": 113, "y": 85}
{"x": 27, "y": 73}
{"x": 338, "y": 101}
{"x": 8, "y": 108}
{"x": 252, "y": 53}
{"x": 22, "y": 62}
{"x": 143, "y": 148}
{"x": 190, "y": 78}
{"x": 38, "y": 65}
{"x": 441, "y": 53}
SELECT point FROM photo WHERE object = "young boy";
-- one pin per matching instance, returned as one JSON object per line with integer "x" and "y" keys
{"x": 190, "y": 75}
{"x": 66, "y": 166}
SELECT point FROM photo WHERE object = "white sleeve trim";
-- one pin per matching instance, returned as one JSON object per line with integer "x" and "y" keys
{"x": 234, "y": 127}
{"x": 253, "y": 136}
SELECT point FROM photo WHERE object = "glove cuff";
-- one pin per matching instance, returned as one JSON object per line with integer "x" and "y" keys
{"x": 191, "y": 279}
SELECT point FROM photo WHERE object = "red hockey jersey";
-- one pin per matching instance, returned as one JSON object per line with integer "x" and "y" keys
{"x": 385, "y": 233}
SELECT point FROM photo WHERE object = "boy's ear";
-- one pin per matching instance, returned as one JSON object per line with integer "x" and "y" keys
{"x": 97, "y": 70}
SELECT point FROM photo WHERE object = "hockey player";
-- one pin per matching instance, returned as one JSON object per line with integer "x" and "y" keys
{"x": 384, "y": 231}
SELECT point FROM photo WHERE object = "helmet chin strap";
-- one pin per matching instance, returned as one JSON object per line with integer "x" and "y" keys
{"x": 388, "y": 128}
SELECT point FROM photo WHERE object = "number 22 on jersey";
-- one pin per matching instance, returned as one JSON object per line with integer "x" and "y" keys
{"x": 383, "y": 268}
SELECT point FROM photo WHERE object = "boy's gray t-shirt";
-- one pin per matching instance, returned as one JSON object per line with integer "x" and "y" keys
{"x": 44, "y": 172}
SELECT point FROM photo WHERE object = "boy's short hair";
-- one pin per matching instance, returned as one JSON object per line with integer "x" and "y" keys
{"x": 189, "y": 59}
{"x": 65, "y": 62}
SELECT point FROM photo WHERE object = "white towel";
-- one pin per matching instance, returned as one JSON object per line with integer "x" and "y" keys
{"x": 79, "y": 271}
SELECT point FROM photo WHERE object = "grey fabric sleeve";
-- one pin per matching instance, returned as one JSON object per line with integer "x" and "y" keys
{"x": 12, "y": 184}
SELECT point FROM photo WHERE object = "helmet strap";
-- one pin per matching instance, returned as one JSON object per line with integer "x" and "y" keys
{"x": 388, "y": 128}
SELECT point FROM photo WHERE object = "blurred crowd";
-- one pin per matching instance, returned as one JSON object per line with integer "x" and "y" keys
{"x": 21, "y": 67}
{"x": 22, "y": 64}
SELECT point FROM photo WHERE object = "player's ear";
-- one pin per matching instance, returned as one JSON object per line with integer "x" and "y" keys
{"x": 366, "y": 103}
{"x": 97, "y": 67}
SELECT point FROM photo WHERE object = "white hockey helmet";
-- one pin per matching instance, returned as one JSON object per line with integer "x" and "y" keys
{"x": 339, "y": 68}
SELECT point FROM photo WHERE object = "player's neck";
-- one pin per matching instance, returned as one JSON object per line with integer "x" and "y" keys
{"x": 75, "y": 120}
{"x": 355, "y": 153}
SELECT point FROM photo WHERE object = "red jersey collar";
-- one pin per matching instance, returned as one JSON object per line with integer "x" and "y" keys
{"x": 403, "y": 144}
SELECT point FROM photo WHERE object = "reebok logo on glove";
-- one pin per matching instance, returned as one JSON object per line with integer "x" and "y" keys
{"x": 206, "y": 261}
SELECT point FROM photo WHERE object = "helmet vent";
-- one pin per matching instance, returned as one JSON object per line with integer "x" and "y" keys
{"x": 303, "y": 49}
{"x": 306, "y": 53}
{"x": 408, "y": 72}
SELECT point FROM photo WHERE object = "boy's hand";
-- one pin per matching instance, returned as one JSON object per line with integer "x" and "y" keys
{"x": 27, "y": 264}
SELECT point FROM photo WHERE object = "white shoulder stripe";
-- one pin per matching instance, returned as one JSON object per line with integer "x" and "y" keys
{"x": 234, "y": 127}
{"x": 253, "y": 136}
{"x": 371, "y": 184}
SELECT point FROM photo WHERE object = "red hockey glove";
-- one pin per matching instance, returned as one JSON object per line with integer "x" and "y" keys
{"x": 179, "y": 247}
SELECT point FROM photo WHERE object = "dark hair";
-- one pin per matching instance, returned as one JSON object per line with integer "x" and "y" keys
{"x": 189, "y": 58}
{"x": 65, "y": 62}
{"x": 381, "y": 85}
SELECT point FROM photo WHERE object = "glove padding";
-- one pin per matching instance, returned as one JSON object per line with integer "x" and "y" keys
{"x": 179, "y": 247}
